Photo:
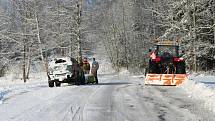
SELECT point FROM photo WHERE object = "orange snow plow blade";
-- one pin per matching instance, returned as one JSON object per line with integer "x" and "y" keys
{"x": 165, "y": 79}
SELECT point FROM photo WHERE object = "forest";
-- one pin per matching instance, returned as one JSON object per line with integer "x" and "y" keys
{"x": 34, "y": 31}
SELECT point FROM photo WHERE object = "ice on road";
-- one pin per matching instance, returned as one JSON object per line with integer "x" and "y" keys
{"x": 115, "y": 98}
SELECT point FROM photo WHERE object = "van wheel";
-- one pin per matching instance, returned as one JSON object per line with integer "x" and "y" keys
{"x": 57, "y": 84}
{"x": 51, "y": 83}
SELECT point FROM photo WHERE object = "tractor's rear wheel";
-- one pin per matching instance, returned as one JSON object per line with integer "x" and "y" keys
{"x": 153, "y": 68}
{"x": 146, "y": 71}
{"x": 181, "y": 68}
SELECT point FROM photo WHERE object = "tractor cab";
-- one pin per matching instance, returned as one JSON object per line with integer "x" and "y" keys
{"x": 166, "y": 61}
{"x": 167, "y": 51}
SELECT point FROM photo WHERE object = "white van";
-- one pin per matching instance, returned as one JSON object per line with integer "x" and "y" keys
{"x": 65, "y": 70}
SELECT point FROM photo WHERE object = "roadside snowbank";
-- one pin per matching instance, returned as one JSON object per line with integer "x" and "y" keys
{"x": 208, "y": 80}
{"x": 11, "y": 86}
{"x": 124, "y": 71}
{"x": 200, "y": 91}
{"x": 14, "y": 79}
{"x": 8, "y": 91}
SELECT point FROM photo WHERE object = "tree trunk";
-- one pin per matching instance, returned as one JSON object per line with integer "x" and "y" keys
{"x": 24, "y": 64}
{"x": 79, "y": 7}
{"x": 213, "y": 8}
{"x": 29, "y": 64}
{"x": 125, "y": 37}
{"x": 194, "y": 43}
{"x": 40, "y": 44}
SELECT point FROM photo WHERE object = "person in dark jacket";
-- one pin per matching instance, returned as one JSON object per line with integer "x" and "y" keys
{"x": 94, "y": 69}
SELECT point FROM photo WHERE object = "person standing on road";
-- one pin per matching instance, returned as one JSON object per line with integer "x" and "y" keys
{"x": 94, "y": 69}
{"x": 86, "y": 66}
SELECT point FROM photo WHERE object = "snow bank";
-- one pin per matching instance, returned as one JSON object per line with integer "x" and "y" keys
{"x": 8, "y": 91}
{"x": 124, "y": 71}
{"x": 205, "y": 79}
{"x": 105, "y": 67}
{"x": 14, "y": 79}
{"x": 201, "y": 91}
{"x": 10, "y": 86}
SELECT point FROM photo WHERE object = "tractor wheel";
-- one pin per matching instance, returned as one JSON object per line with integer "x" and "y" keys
{"x": 152, "y": 67}
{"x": 146, "y": 71}
{"x": 181, "y": 68}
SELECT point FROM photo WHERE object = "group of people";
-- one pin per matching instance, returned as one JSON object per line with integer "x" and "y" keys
{"x": 91, "y": 69}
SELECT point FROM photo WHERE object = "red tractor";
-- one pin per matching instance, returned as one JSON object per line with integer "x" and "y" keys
{"x": 166, "y": 66}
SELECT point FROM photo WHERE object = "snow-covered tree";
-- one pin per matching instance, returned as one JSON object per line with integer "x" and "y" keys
{"x": 32, "y": 30}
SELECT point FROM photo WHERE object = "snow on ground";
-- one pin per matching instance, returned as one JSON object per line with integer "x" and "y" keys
{"x": 208, "y": 80}
{"x": 202, "y": 87}
{"x": 116, "y": 91}
{"x": 124, "y": 71}
{"x": 16, "y": 79}
{"x": 10, "y": 86}
{"x": 199, "y": 87}
{"x": 117, "y": 97}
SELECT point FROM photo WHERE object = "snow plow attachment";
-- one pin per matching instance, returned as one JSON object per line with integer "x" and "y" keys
{"x": 165, "y": 79}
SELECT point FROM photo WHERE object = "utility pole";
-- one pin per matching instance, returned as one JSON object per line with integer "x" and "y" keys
{"x": 194, "y": 42}
{"x": 79, "y": 14}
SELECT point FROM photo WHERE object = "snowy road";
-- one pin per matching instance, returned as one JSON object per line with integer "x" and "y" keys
{"x": 114, "y": 99}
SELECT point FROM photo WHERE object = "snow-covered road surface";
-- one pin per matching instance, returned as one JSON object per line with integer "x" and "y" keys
{"x": 116, "y": 98}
